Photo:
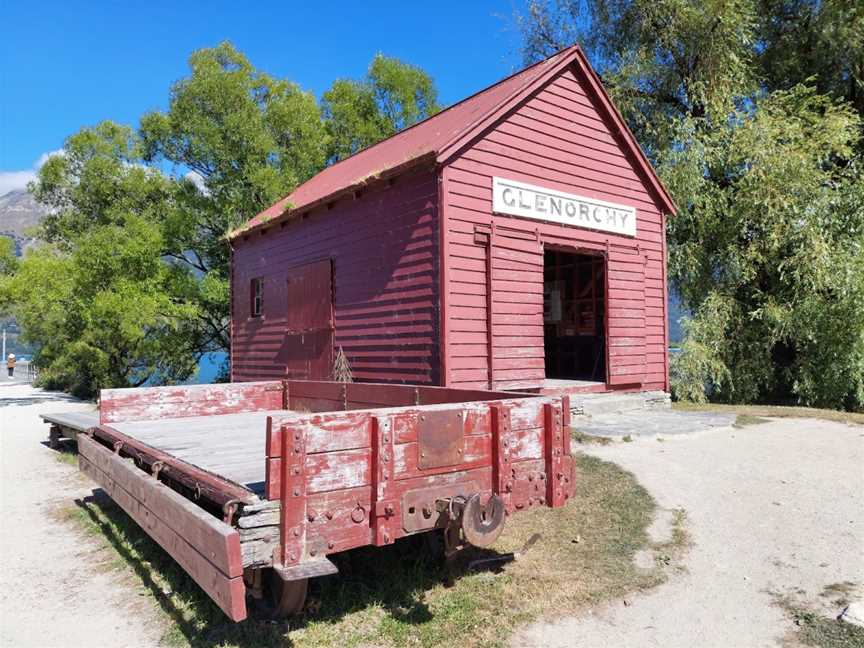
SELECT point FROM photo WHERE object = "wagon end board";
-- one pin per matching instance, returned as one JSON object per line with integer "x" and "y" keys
{"x": 207, "y": 549}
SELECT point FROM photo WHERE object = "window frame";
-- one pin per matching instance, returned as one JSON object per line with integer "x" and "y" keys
{"x": 256, "y": 297}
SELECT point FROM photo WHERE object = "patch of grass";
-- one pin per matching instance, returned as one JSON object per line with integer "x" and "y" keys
{"x": 774, "y": 411}
{"x": 394, "y": 597}
{"x": 813, "y": 629}
{"x": 67, "y": 452}
{"x": 588, "y": 439}
{"x": 743, "y": 420}
{"x": 669, "y": 552}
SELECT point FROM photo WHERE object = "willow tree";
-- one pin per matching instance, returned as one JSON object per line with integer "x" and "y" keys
{"x": 760, "y": 143}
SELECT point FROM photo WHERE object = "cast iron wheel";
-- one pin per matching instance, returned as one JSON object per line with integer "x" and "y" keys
{"x": 483, "y": 523}
{"x": 282, "y": 598}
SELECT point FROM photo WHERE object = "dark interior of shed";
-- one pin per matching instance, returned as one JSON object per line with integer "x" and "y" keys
{"x": 574, "y": 310}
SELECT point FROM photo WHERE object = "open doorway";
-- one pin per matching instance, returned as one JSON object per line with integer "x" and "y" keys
{"x": 574, "y": 315}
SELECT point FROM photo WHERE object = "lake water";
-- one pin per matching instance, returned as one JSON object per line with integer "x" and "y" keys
{"x": 208, "y": 368}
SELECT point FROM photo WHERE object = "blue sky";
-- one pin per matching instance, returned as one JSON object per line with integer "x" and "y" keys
{"x": 64, "y": 65}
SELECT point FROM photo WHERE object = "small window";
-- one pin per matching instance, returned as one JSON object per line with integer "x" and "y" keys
{"x": 257, "y": 296}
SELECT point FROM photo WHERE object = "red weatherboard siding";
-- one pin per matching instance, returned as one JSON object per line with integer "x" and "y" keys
{"x": 384, "y": 246}
{"x": 557, "y": 139}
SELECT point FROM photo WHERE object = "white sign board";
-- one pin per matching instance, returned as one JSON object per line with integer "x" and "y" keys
{"x": 521, "y": 199}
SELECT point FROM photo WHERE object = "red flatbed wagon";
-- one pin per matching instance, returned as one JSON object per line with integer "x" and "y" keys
{"x": 251, "y": 486}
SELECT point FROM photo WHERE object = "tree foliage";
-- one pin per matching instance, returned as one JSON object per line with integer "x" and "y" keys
{"x": 131, "y": 283}
{"x": 751, "y": 112}
{"x": 393, "y": 96}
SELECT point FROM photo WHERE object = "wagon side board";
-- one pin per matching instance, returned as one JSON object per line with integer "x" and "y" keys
{"x": 348, "y": 479}
{"x": 206, "y": 548}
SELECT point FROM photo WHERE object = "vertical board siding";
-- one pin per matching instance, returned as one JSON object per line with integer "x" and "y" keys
{"x": 558, "y": 138}
{"x": 517, "y": 303}
{"x": 384, "y": 247}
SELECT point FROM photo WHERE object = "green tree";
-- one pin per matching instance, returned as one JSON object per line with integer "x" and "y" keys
{"x": 8, "y": 260}
{"x": 131, "y": 282}
{"x": 100, "y": 314}
{"x": 242, "y": 139}
{"x": 751, "y": 134}
{"x": 393, "y": 96}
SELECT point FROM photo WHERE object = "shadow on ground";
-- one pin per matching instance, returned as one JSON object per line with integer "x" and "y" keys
{"x": 392, "y": 578}
{"x": 35, "y": 399}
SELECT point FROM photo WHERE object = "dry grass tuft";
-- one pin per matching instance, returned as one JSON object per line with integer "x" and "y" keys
{"x": 774, "y": 411}
{"x": 816, "y": 630}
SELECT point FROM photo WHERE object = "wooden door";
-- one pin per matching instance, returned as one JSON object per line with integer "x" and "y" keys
{"x": 308, "y": 344}
{"x": 515, "y": 276}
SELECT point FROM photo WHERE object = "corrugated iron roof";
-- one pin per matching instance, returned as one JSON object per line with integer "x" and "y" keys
{"x": 426, "y": 139}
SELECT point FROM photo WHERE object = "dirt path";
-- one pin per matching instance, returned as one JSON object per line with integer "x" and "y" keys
{"x": 772, "y": 509}
{"x": 55, "y": 589}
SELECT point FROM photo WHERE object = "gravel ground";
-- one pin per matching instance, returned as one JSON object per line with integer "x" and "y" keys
{"x": 772, "y": 510}
{"x": 54, "y": 587}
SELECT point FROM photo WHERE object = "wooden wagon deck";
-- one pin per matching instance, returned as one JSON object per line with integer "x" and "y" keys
{"x": 229, "y": 445}
{"x": 70, "y": 424}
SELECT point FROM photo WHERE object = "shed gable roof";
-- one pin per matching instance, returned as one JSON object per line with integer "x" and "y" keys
{"x": 441, "y": 135}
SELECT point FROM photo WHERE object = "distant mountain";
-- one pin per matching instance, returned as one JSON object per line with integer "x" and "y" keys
{"x": 19, "y": 213}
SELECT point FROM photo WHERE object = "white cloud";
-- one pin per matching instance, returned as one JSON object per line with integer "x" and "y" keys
{"x": 12, "y": 180}
{"x": 198, "y": 180}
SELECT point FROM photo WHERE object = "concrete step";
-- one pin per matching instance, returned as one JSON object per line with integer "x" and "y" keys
{"x": 618, "y": 403}
{"x": 651, "y": 423}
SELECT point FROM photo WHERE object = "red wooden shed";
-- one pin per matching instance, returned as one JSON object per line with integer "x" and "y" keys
{"x": 515, "y": 240}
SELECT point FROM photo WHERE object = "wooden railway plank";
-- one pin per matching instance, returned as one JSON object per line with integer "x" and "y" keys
{"x": 149, "y": 403}
{"x": 212, "y": 486}
{"x": 206, "y": 533}
{"x": 227, "y": 592}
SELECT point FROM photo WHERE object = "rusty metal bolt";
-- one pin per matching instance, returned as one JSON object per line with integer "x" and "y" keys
{"x": 427, "y": 511}
{"x": 313, "y": 552}
{"x": 330, "y": 545}
{"x": 530, "y": 476}
{"x": 459, "y": 451}
{"x": 388, "y": 509}
{"x": 296, "y": 492}
{"x": 422, "y": 455}
{"x": 542, "y": 476}
{"x": 386, "y": 537}
{"x": 292, "y": 556}
{"x": 297, "y": 531}
{"x": 296, "y": 436}
{"x": 311, "y": 516}
{"x": 296, "y": 470}
{"x": 422, "y": 418}
{"x": 328, "y": 515}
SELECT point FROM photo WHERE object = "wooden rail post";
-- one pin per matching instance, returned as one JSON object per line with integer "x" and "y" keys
{"x": 385, "y": 505}
{"x": 292, "y": 519}
{"x": 558, "y": 472}
{"x": 502, "y": 470}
